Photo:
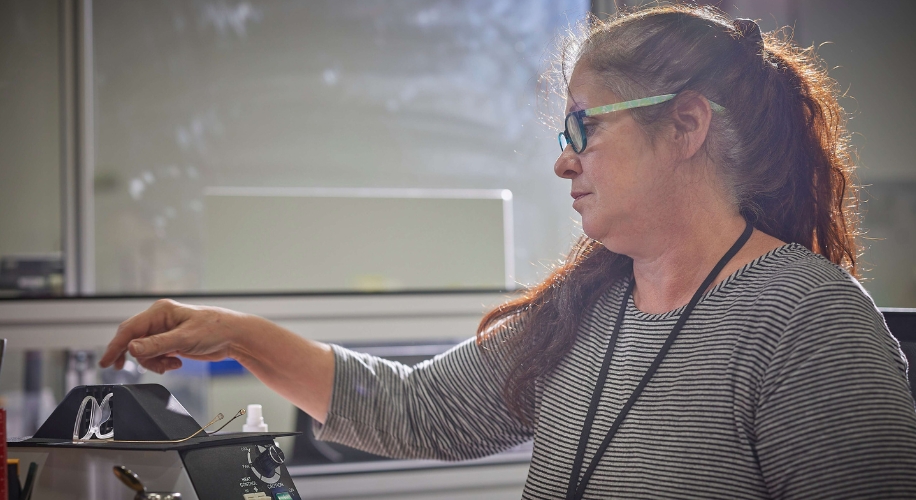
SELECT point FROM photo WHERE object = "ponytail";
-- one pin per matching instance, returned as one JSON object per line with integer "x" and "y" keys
{"x": 821, "y": 212}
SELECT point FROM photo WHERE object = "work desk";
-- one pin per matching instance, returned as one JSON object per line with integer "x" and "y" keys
{"x": 498, "y": 477}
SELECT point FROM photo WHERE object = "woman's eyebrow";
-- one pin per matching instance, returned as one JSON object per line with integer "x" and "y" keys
{"x": 576, "y": 105}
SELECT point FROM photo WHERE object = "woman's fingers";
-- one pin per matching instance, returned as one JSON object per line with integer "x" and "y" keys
{"x": 119, "y": 362}
{"x": 168, "y": 329}
{"x": 160, "y": 364}
{"x": 162, "y": 316}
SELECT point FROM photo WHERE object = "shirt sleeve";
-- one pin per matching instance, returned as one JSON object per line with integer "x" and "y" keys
{"x": 835, "y": 418}
{"x": 447, "y": 408}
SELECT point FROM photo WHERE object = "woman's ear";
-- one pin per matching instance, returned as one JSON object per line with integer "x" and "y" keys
{"x": 690, "y": 117}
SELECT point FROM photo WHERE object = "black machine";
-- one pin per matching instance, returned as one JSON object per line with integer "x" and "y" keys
{"x": 103, "y": 439}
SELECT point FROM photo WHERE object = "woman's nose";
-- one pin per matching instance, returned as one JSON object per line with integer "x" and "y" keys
{"x": 567, "y": 165}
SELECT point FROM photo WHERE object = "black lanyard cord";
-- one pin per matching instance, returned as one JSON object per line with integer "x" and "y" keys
{"x": 576, "y": 487}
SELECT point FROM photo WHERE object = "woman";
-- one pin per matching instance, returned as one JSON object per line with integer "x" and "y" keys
{"x": 704, "y": 340}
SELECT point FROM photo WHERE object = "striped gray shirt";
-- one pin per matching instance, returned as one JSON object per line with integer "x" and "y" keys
{"x": 784, "y": 383}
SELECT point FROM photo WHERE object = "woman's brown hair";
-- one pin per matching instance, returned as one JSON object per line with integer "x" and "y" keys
{"x": 781, "y": 146}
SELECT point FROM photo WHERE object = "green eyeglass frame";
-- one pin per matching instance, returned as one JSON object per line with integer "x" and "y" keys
{"x": 574, "y": 133}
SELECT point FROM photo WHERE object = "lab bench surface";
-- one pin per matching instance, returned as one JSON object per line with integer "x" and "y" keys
{"x": 496, "y": 481}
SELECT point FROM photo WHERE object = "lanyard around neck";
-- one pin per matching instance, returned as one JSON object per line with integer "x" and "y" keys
{"x": 576, "y": 487}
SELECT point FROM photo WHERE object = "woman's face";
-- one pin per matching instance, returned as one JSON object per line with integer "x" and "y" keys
{"x": 620, "y": 182}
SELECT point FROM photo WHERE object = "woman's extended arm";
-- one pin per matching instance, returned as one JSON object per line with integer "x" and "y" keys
{"x": 448, "y": 408}
{"x": 300, "y": 370}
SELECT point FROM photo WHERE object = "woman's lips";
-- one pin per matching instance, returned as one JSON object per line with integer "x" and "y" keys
{"x": 577, "y": 196}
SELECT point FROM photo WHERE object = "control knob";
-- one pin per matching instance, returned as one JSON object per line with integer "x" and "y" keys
{"x": 267, "y": 462}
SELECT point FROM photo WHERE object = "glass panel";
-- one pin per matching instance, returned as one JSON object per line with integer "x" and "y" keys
{"x": 30, "y": 235}
{"x": 320, "y": 94}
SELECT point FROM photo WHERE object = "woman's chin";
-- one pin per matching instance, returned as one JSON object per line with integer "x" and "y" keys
{"x": 591, "y": 231}
{"x": 612, "y": 240}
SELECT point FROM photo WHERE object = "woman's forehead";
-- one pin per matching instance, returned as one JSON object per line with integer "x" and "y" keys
{"x": 586, "y": 89}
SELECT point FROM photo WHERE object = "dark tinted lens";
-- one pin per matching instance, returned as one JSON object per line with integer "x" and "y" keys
{"x": 576, "y": 134}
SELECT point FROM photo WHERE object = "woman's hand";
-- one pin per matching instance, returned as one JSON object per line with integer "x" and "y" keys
{"x": 298, "y": 369}
{"x": 169, "y": 329}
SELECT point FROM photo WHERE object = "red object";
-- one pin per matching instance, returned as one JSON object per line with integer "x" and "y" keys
{"x": 4, "y": 484}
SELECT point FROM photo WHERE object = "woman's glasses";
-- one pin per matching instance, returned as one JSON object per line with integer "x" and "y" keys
{"x": 94, "y": 420}
{"x": 575, "y": 135}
